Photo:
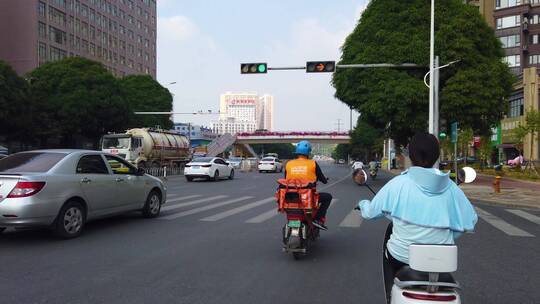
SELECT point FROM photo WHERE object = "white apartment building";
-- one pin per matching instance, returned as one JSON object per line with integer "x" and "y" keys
{"x": 244, "y": 112}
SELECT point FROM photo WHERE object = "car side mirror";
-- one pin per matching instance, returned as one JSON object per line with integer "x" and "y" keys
{"x": 140, "y": 171}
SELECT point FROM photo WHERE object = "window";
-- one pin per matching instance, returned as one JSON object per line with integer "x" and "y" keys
{"x": 506, "y": 3}
{"x": 512, "y": 60}
{"x": 92, "y": 164}
{"x": 534, "y": 59}
{"x": 534, "y": 39}
{"x": 92, "y": 49}
{"x": 56, "y": 54}
{"x": 516, "y": 108}
{"x": 506, "y": 22}
{"x": 38, "y": 162}
{"x": 59, "y": 3}
{"x": 42, "y": 8}
{"x": 42, "y": 52}
{"x": 510, "y": 41}
{"x": 57, "y": 16}
{"x": 120, "y": 166}
{"x": 57, "y": 35}
{"x": 42, "y": 30}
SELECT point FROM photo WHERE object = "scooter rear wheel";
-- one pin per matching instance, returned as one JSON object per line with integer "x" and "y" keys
{"x": 297, "y": 255}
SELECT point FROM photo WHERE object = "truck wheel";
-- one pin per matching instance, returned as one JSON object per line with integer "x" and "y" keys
{"x": 70, "y": 221}
{"x": 153, "y": 205}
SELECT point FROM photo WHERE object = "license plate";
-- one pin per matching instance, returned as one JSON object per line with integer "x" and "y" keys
{"x": 196, "y": 167}
{"x": 294, "y": 224}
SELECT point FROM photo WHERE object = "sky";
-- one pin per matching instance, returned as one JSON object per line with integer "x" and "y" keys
{"x": 201, "y": 43}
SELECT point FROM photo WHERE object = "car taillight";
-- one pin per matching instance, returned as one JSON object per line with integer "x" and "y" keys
{"x": 187, "y": 166}
{"x": 429, "y": 297}
{"x": 206, "y": 166}
{"x": 25, "y": 189}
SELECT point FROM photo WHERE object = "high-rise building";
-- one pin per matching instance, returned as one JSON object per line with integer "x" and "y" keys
{"x": 244, "y": 112}
{"x": 121, "y": 34}
{"x": 517, "y": 25}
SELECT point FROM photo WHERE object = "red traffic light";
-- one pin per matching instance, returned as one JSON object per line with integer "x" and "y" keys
{"x": 320, "y": 66}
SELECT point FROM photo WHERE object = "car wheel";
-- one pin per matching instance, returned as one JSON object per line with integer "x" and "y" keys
{"x": 231, "y": 176}
{"x": 2, "y": 229}
{"x": 152, "y": 207}
{"x": 70, "y": 221}
{"x": 216, "y": 175}
{"x": 189, "y": 178}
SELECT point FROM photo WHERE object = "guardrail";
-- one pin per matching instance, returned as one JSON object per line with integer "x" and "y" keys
{"x": 164, "y": 171}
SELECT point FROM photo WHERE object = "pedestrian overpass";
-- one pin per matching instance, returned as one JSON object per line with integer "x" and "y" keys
{"x": 240, "y": 143}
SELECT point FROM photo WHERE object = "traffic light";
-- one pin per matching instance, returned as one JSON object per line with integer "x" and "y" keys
{"x": 320, "y": 66}
{"x": 253, "y": 68}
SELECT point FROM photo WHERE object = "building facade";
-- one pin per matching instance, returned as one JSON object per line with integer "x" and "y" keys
{"x": 198, "y": 135}
{"x": 121, "y": 34}
{"x": 244, "y": 112}
{"x": 517, "y": 25}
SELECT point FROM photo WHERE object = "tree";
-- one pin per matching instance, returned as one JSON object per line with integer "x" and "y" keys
{"x": 144, "y": 94}
{"x": 14, "y": 117}
{"x": 485, "y": 150}
{"x": 341, "y": 151}
{"x": 472, "y": 91}
{"x": 365, "y": 140}
{"x": 76, "y": 97}
{"x": 532, "y": 128}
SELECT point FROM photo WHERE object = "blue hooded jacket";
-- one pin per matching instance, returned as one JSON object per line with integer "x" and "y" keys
{"x": 425, "y": 206}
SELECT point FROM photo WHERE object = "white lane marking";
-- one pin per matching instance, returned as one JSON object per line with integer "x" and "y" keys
{"x": 182, "y": 198}
{"x": 531, "y": 217}
{"x": 199, "y": 201}
{"x": 501, "y": 225}
{"x": 263, "y": 217}
{"x": 334, "y": 183}
{"x": 352, "y": 220}
{"x": 204, "y": 208}
{"x": 234, "y": 211}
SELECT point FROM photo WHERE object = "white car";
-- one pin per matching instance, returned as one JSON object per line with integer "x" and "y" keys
{"x": 208, "y": 167}
{"x": 272, "y": 164}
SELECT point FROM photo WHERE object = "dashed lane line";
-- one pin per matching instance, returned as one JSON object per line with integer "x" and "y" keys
{"x": 530, "y": 217}
{"x": 195, "y": 202}
{"x": 501, "y": 225}
{"x": 204, "y": 208}
{"x": 237, "y": 210}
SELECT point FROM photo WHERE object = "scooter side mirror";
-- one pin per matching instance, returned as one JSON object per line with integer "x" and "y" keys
{"x": 360, "y": 176}
{"x": 467, "y": 175}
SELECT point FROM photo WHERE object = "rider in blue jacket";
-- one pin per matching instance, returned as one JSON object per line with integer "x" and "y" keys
{"x": 424, "y": 205}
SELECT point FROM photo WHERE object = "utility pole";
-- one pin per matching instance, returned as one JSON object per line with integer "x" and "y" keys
{"x": 339, "y": 123}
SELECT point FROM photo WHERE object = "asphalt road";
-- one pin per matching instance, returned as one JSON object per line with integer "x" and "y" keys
{"x": 220, "y": 242}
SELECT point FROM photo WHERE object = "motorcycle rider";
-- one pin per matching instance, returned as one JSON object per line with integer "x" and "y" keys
{"x": 424, "y": 205}
{"x": 304, "y": 168}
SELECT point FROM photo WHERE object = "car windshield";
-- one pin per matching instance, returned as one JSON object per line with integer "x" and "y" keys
{"x": 116, "y": 142}
{"x": 30, "y": 162}
{"x": 202, "y": 160}
{"x": 268, "y": 159}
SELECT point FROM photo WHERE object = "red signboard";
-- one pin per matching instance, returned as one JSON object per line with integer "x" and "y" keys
{"x": 242, "y": 102}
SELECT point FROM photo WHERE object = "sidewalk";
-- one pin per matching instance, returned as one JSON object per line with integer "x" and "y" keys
{"x": 514, "y": 193}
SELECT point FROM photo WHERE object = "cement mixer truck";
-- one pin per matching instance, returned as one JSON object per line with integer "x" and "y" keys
{"x": 146, "y": 147}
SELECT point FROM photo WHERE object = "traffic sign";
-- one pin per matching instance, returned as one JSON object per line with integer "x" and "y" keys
{"x": 454, "y": 133}
{"x": 253, "y": 68}
{"x": 320, "y": 66}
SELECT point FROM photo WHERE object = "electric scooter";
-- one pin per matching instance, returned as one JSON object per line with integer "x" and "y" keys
{"x": 428, "y": 278}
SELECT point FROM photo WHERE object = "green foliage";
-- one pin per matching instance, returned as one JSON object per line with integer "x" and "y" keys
{"x": 144, "y": 94}
{"x": 465, "y": 137}
{"x": 14, "y": 116}
{"x": 285, "y": 151}
{"x": 394, "y": 31}
{"x": 76, "y": 96}
{"x": 485, "y": 150}
{"x": 365, "y": 141}
{"x": 341, "y": 151}
{"x": 519, "y": 134}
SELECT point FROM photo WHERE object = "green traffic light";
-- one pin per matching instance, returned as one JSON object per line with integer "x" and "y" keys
{"x": 442, "y": 135}
{"x": 262, "y": 68}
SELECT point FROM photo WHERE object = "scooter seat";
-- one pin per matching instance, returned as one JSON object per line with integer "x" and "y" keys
{"x": 407, "y": 274}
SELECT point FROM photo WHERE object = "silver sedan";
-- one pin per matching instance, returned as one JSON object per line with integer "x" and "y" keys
{"x": 64, "y": 189}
